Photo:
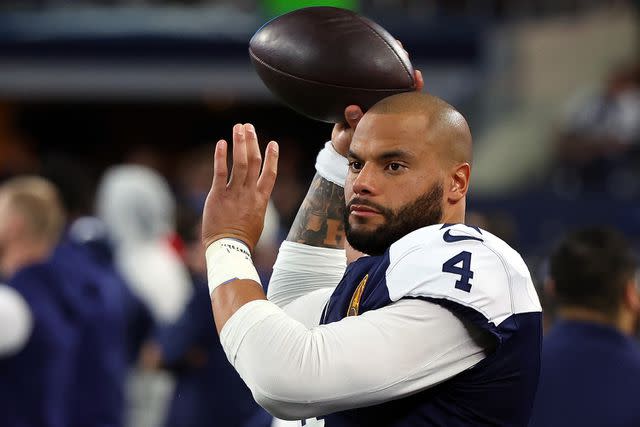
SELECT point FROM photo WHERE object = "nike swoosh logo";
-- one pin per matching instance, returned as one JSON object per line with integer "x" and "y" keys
{"x": 449, "y": 238}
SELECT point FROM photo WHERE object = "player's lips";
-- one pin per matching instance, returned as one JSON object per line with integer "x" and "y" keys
{"x": 363, "y": 210}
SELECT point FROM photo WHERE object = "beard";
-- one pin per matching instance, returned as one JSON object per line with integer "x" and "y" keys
{"x": 425, "y": 210}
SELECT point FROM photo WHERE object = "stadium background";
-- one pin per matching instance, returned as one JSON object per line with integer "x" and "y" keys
{"x": 85, "y": 85}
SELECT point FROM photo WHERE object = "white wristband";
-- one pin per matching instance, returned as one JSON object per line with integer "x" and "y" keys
{"x": 331, "y": 165}
{"x": 228, "y": 260}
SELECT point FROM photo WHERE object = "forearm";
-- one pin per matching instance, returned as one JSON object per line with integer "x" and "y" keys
{"x": 313, "y": 257}
{"x": 228, "y": 298}
{"x": 232, "y": 278}
{"x": 319, "y": 221}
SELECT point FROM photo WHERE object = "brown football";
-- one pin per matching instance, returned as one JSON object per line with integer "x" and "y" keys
{"x": 319, "y": 60}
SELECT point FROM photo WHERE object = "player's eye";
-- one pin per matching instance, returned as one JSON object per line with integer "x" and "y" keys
{"x": 394, "y": 167}
{"x": 355, "y": 166}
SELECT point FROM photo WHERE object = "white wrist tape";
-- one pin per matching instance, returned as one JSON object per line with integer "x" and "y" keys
{"x": 331, "y": 165}
{"x": 229, "y": 260}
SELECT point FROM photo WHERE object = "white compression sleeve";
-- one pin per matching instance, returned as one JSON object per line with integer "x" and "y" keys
{"x": 16, "y": 321}
{"x": 302, "y": 269}
{"x": 295, "y": 372}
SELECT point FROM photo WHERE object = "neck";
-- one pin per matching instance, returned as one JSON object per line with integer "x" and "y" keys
{"x": 620, "y": 321}
{"x": 20, "y": 255}
{"x": 454, "y": 216}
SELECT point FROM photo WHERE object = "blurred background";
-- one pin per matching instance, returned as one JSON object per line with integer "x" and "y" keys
{"x": 93, "y": 90}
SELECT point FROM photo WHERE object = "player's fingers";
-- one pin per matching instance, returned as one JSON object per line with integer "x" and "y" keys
{"x": 240, "y": 162}
{"x": 253, "y": 154}
{"x": 220, "y": 167}
{"x": 353, "y": 114}
{"x": 419, "y": 80}
{"x": 269, "y": 169}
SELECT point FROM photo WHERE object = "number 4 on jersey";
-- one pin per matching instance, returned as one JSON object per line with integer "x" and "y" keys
{"x": 464, "y": 270}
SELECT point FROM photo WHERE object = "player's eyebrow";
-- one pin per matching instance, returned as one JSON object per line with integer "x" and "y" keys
{"x": 354, "y": 156}
{"x": 386, "y": 155}
{"x": 395, "y": 154}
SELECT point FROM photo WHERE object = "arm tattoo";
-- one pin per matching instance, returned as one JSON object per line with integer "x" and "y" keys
{"x": 319, "y": 221}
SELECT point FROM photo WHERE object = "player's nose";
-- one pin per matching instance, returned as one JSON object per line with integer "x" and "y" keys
{"x": 365, "y": 181}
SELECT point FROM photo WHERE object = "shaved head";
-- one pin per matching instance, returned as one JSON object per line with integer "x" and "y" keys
{"x": 446, "y": 128}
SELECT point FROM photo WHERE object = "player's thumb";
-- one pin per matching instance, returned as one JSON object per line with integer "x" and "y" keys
{"x": 353, "y": 114}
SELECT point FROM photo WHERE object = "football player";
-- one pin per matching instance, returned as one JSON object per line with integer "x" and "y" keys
{"x": 438, "y": 325}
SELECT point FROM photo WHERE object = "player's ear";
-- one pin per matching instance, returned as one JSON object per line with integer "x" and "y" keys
{"x": 458, "y": 182}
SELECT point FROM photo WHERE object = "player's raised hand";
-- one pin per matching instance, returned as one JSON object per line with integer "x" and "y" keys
{"x": 236, "y": 205}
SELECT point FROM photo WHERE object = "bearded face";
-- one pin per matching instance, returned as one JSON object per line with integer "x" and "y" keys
{"x": 421, "y": 212}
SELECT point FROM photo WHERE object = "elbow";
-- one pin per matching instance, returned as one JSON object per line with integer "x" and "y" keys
{"x": 284, "y": 398}
{"x": 285, "y": 409}
{"x": 280, "y": 361}
{"x": 274, "y": 407}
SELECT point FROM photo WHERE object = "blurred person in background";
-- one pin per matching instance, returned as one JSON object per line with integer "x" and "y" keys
{"x": 138, "y": 209}
{"x": 69, "y": 367}
{"x": 85, "y": 232}
{"x": 39, "y": 334}
{"x": 598, "y": 143}
{"x": 590, "y": 362}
